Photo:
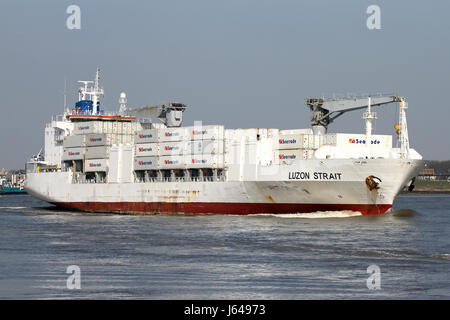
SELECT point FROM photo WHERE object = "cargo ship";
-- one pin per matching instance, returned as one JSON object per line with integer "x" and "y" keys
{"x": 144, "y": 161}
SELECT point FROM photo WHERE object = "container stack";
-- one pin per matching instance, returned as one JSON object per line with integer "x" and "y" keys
{"x": 290, "y": 146}
{"x": 118, "y": 132}
{"x": 92, "y": 140}
{"x": 179, "y": 148}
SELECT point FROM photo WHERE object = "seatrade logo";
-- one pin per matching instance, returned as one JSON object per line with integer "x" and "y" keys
{"x": 93, "y": 165}
{"x": 171, "y": 148}
{"x": 362, "y": 141}
{"x": 145, "y": 136}
{"x": 95, "y": 139}
{"x": 83, "y": 128}
{"x": 145, "y": 163}
{"x": 171, "y": 161}
{"x": 199, "y": 132}
{"x": 287, "y": 156}
{"x": 70, "y": 153}
{"x": 172, "y": 134}
{"x": 198, "y": 161}
{"x": 145, "y": 149}
{"x": 287, "y": 141}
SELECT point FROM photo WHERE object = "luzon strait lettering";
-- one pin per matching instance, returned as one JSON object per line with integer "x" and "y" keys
{"x": 301, "y": 175}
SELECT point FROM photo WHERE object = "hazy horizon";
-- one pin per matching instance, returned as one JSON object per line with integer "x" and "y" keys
{"x": 242, "y": 63}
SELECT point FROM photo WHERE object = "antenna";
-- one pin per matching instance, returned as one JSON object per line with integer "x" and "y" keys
{"x": 65, "y": 95}
{"x": 97, "y": 78}
{"x": 122, "y": 103}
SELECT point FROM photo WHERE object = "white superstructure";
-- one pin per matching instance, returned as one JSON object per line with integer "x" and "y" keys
{"x": 125, "y": 163}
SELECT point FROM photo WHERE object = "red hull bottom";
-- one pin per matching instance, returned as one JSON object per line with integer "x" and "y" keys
{"x": 219, "y": 208}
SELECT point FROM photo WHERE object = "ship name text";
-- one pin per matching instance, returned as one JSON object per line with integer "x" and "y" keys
{"x": 302, "y": 175}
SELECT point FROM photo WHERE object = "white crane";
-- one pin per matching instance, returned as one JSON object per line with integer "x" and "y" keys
{"x": 325, "y": 111}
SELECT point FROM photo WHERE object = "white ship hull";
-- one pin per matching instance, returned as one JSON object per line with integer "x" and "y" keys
{"x": 303, "y": 186}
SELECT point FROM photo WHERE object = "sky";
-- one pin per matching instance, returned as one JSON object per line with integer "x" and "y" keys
{"x": 242, "y": 64}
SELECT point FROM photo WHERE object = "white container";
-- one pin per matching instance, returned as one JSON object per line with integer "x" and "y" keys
{"x": 88, "y": 127}
{"x": 74, "y": 141}
{"x": 289, "y": 141}
{"x": 197, "y": 161}
{"x": 97, "y": 152}
{"x": 173, "y": 134}
{"x": 211, "y": 132}
{"x": 236, "y": 135}
{"x": 73, "y": 154}
{"x": 213, "y": 160}
{"x": 360, "y": 140}
{"x": 146, "y": 163}
{"x": 171, "y": 162}
{"x": 146, "y": 150}
{"x": 288, "y": 156}
{"x": 98, "y": 139}
{"x": 96, "y": 165}
{"x": 194, "y": 161}
{"x": 146, "y": 136}
{"x": 171, "y": 148}
{"x": 204, "y": 147}
{"x": 193, "y": 147}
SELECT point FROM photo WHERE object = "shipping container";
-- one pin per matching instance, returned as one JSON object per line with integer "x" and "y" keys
{"x": 358, "y": 140}
{"x": 197, "y": 161}
{"x": 171, "y": 162}
{"x": 194, "y": 161}
{"x": 88, "y": 127}
{"x": 146, "y": 163}
{"x": 74, "y": 141}
{"x": 288, "y": 156}
{"x": 211, "y": 132}
{"x": 238, "y": 135}
{"x": 97, "y": 152}
{"x": 73, "y": 154}
{"x": 213, "y": 160}
{"x": 96, "y": 165}
{"x": 146, "y": 136}
{"x": 204, "y": 146}
{"x": 173, "y": 134}
{"x": 98, "y": 139}
{"x": 171, "y": 148}
{"x": 289, "y": 141}
{"x": 146, "y": 150}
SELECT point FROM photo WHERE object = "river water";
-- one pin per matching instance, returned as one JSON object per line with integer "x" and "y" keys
{"x": 323, "y": 255}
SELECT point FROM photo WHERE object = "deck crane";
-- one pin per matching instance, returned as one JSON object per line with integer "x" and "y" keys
{"x": 171, "y": 114}
{"x": 325, "y": 111}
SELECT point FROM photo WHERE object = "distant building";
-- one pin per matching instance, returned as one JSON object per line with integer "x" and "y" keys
{"x": 427, "y": 174}
{"x": 430, "y": 175}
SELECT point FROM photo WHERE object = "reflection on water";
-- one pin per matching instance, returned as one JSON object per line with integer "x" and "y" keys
{"x": 321, "y": 255}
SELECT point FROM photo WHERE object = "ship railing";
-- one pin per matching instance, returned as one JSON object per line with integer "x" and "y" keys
{"x": 180, "y": 179}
